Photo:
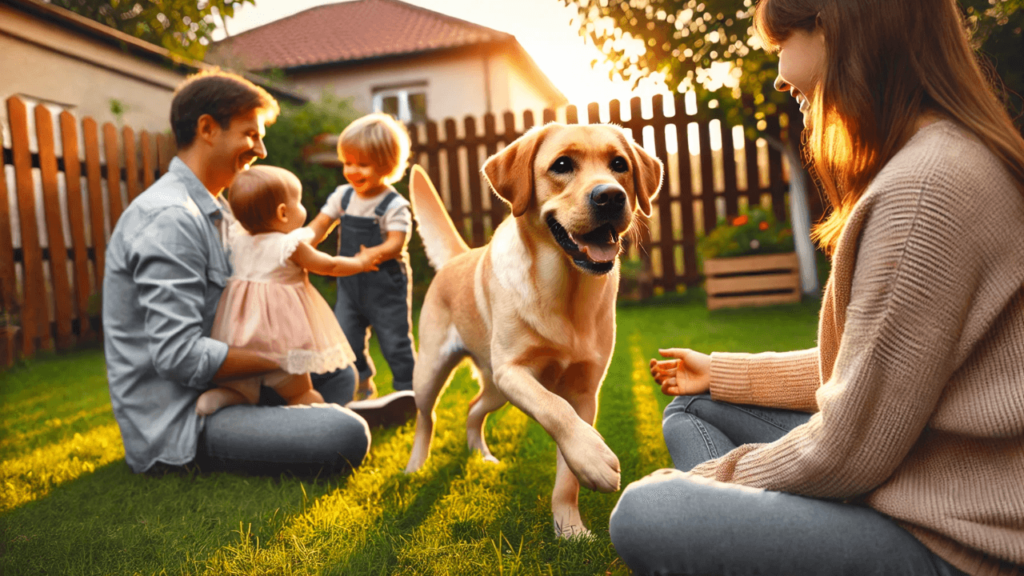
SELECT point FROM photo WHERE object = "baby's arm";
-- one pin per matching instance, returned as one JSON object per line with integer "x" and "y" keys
{"x": 315, "y": 261}
{"x": 321, "y": 227}
{"x": 390, "y": 247}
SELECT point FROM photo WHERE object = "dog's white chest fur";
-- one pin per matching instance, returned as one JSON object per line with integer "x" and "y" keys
{"x": 536, "y": 285}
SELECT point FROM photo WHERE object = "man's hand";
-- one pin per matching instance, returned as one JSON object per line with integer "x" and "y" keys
{"x": 687, "y": 373}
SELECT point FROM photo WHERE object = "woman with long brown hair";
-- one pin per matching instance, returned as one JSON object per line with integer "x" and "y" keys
{"x": 896, "y": 446}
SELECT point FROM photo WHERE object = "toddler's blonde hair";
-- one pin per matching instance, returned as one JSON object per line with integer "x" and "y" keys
{"x": 383, "y": 140}
{"x": 257, "y": 192}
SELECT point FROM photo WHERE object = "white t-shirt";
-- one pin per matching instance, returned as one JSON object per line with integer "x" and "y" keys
{"x": 397, "y": 217}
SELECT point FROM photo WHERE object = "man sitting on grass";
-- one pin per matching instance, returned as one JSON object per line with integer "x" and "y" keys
{"x": 166, "y": 267}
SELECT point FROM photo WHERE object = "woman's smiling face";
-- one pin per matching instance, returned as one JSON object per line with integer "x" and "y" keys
{"x": 801, "y": 64}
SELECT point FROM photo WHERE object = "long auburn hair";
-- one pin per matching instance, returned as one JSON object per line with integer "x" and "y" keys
{"x": 886, "y": 63}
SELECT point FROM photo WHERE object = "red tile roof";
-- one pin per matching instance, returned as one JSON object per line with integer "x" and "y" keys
{"x": 349, "y": 31}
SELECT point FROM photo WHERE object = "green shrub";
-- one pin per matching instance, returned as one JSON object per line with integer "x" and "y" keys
{"x": 756, "y": 232}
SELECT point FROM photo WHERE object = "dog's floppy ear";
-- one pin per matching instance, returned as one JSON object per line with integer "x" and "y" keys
{"x": 647, "y": 174}
{"x": 510, "y": 172}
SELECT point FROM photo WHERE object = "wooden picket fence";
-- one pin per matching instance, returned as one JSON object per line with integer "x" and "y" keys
{"x": 68, "y": 198}
{"x": 56, "y": 302}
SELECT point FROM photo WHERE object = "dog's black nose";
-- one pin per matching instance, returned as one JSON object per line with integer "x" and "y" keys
{"x": 608, "y": 195}
{"x": 608, "y": 199}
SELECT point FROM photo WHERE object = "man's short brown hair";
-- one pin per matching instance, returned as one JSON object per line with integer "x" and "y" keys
{"x": 220, "y": 94}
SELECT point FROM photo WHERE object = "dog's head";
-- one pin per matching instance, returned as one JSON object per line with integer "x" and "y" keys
{"x": 584, "y": 183}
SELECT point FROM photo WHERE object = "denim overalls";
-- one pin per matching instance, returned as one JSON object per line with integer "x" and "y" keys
{"x": 380, "y": 299}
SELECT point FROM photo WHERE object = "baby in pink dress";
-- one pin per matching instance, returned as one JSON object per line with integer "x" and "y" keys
{"x": 268, "y": 305}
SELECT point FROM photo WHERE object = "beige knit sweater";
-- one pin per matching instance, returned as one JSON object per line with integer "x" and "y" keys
{"x": 917, "y": 383}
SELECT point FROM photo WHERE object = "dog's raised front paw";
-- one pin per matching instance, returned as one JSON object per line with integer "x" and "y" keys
{"x": 591, "y": 460}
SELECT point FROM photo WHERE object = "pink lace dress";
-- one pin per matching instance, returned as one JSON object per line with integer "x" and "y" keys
{"x": 269, "y": 306}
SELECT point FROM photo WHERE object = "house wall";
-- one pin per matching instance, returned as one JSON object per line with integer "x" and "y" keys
{"x": 455, "y": 83}
{"x": 47, "y": 62}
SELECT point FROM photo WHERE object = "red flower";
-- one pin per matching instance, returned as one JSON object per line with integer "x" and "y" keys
{"x": 763, "y": 225}
{"x": 740, "y": 221}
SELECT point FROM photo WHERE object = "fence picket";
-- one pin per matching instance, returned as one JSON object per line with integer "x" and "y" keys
{"x": 731, "y": 193}
{"x": 691, "y": 275}
{"x": 9, "y": 307}
{"x": 753, "y": 170}
{"x": 473, "y": 166}
{"x": 113, "y": 173}
{"x": 62, "y": 304}
{"x": 148, "y": 160}
{"x": 131, "y": 163}
{"x": 707, "y": 178}
{"x": 165, "y": 152}
{"x": 35, "y": 323}
{"x": 451, "y": 147}
{"x": 433, "y": 153}
{"x": 76, "y": 213}
{"x": 93, "y": 177}
{"x": 666, "y": 235}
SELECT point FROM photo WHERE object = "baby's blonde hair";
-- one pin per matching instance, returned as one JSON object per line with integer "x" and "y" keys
{"x": 383, "y": 140}
{"x": 257, "y": 192}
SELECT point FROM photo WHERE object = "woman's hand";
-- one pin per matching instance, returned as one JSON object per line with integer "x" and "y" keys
{"x": 687, "y": 373}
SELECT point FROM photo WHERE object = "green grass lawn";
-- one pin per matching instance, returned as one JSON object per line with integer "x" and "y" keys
{"x": 70, "y": 505}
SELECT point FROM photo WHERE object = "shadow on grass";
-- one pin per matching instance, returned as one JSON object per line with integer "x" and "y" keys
{"x": 378, "y": 551}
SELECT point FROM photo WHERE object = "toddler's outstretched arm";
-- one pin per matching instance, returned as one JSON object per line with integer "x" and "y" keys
{"x": 317, "y": 262}
{"x": 321, "y": 227}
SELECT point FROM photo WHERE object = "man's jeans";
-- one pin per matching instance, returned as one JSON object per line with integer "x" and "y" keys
{"x": 272, "y": 438}
{"x": 668, "y": 523}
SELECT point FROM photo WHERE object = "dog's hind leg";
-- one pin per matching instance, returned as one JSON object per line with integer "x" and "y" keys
{"x": 488, "y": 400}
{"x": 437, "y": 359}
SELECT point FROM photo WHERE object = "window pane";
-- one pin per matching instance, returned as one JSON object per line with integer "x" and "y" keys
{"x": 418, "y": 106}
{"x": 389, "y": 105}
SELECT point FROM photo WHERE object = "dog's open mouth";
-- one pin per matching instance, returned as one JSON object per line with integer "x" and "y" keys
{"x": 594, "y": 251}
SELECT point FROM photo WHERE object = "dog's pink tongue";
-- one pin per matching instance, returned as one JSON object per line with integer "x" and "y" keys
{"x": 600, "y": 252}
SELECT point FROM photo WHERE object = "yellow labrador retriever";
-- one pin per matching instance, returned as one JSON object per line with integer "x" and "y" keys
{"x": 535, "y": 308}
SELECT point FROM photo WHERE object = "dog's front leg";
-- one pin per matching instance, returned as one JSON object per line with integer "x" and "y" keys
{"x": 565, "y": 496}
{"x": 585, "y": 452}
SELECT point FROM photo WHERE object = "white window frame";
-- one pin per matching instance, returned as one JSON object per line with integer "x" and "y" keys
{"x": 402, "y": 92}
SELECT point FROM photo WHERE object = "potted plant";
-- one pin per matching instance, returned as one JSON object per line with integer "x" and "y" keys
{"x": 750, "y": 261}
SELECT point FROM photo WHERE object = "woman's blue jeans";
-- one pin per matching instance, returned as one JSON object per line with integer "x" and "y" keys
{"x": 668, "y": 523}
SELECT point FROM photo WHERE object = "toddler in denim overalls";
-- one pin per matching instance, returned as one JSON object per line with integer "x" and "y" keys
{"x": 375, "y": 151}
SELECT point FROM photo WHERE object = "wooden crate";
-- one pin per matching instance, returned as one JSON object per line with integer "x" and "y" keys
{"x": 752, "y": 280}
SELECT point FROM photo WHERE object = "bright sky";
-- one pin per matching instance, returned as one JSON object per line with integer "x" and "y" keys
{"x": 542, "y": 27}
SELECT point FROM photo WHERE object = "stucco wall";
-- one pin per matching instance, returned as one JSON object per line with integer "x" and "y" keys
{"x": 455, "y": 84}
{"x": 47, "y": 62}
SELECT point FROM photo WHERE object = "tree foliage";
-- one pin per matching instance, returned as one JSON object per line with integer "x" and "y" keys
{"x": 182, "y": 26}
{"x": 710, "y": 44}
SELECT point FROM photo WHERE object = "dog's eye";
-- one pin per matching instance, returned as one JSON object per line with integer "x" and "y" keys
{"x": 619, "y": 164}
{"x": 562, "y": 165}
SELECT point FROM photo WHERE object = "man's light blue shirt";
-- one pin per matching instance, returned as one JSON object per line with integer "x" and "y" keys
{"x": 166, "y": 267}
